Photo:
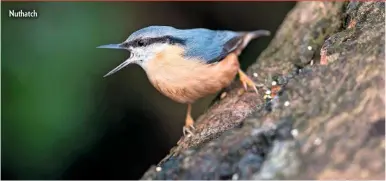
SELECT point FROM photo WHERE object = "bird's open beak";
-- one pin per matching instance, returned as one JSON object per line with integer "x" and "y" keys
{"x": 112, "y": 46}
{"x": 119, "y": 67}
{"x": 123, "y": 64}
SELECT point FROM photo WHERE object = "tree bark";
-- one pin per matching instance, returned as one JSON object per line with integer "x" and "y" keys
{"x": 326, "y": 122}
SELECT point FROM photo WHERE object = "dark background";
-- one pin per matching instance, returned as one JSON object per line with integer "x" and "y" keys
{"x": 62, "y": 120}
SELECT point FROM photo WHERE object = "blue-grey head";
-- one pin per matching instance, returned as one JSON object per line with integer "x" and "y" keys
{"x": 145, "y": 44}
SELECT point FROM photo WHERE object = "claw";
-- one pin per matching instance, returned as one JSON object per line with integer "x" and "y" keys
{"x": 247, "y": 82}
{"x": 188, "y": 131}
{"x": 245, "y": 85}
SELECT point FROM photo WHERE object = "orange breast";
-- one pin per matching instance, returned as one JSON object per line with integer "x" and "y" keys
{"x": 185, "y": 81}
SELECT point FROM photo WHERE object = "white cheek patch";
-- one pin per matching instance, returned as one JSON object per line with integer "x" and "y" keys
{"x": 144, "y": 54}
{"x": 153, "y": 50}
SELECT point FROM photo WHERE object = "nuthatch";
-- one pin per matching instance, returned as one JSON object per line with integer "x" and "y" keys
{"x": 187, "y": 64}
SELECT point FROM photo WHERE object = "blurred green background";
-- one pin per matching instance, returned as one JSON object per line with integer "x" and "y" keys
{"x": 62, "y": 120}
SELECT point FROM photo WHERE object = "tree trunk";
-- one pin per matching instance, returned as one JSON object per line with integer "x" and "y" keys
{"x": 326, "y": 122}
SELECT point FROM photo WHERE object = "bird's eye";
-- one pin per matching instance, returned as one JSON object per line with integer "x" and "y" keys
{"x": 140, "y": 43}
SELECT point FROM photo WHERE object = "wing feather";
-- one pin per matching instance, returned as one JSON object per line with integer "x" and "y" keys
{"x": 228, "y": 47}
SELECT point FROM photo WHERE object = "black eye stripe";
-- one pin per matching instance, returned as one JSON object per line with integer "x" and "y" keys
{"x": 125, "y": 45}
{"x": 148, "y": 41}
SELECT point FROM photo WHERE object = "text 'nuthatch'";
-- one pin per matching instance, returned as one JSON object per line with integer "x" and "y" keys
{"x": 188, "y": 64}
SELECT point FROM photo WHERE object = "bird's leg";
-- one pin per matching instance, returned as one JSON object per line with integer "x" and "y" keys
{"x": 188, "y": 128}
{"x": 246, "y": 81}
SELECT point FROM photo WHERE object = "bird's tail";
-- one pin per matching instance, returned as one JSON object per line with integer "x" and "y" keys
{"x": 248, "y": 36}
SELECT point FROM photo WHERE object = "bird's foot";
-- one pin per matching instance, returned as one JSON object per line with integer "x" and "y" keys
{"x": 188, "y": 130}
{"x": 248, "y": 82}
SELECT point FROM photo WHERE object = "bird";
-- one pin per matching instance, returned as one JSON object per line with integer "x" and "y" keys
{"x": 188, "y": 64}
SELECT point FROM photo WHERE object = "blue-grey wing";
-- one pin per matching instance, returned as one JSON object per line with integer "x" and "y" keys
{"x": 212, "y": 46}
{"x": 228, "y": 47}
